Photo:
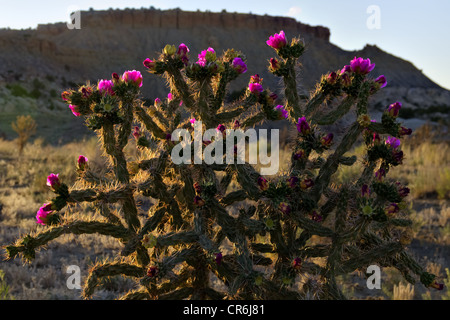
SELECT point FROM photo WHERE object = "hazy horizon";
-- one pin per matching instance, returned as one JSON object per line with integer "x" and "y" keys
{"x": 412, "y": 30}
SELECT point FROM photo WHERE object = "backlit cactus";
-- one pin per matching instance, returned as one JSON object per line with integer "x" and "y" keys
{"x": 190, "y": 231}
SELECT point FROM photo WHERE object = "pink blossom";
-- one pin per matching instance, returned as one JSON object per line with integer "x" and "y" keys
{"x": 381, "y": 81}
{"x": 82, "y": 162}
{"x": 277, "y": 41}
{"x": 255, "y": 88}
{"x": 283, "y": 113}
{"x": 150, "y": 64}
{"x": 392, "y": 142}
{"x": 239, "y": 65}
{"x": 43, "y": 212}
{"x": 361, "y": 66}
{"x": 53, "y": 181}
{"x": 394, "y": 109}
{"x": 303, "y": 126}
{"x": 133, "y": 76}
{"x": 106, "y": 87}
{"x": 74, "y": 110}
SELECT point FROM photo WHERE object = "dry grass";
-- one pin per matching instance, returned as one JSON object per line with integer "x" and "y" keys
{"x": 23, "y": 190}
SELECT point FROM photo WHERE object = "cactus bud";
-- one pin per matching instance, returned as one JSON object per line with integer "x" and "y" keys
{"x": 282, "y": 113}
{"x": 150, "y": 64}
{"x": 394, "y": 109}
{"x": 316, "y": 217}
{"x": 380, "y": 82}
{"x": 53, "y": 181}
{"x": 263, "y": 184}
{"x": 43, "y": 212}
{"x": 136, "y": 132}
{"x": 380, "y": 174}
{"x": 239, "y": 65}
{"x": 332, "y": 78}
{"x": 307, "y": 183}
{"x": 218, "y": 258}
{"x": 152, "y": 271}
{"x": 170, "y": 49}
{"x": 326, "y": 140}
{"x": 82, "y": 162}
{"x": 255, "y": 88}
{"x": 300, "y": 154}
{"x": 149, "y": 241}
{"x": 284, "y": 207}
{"x": 365, "y": 191}
{"x": 404, "y": 131}
{"x": 292, "y": 182}
{"x": 236, "y": 124}
{"x": 297, "y": 263}
{"x": 303, "y": 126}
{"x": 392, "y": 209}
{"x": 274, "y": 64}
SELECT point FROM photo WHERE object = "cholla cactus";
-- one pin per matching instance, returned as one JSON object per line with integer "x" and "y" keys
{"x": 185, "y": 236}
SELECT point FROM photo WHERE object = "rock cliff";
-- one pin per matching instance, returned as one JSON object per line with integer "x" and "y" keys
{"x": 117, "y": 40}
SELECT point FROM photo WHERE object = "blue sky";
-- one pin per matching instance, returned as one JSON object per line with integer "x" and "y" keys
{"x": 415, "y": 30}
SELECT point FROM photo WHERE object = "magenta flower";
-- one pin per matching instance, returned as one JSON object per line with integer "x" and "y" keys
{"x": 346, "y": 69}
{"x": 158, "y": 102}
{"x": 303, "y": 126}
{"x": 221, "y": 128}
{"x": 381, "y": 81}
{"x": 106, "y": 87}
{"x": 255, "y": 88}
{"x": 326, "y": 141}
{"x": 307, "y": 183}
{"x": 393, "y": 142}
{"x": 292, "y": 182}
{"x": 74, "y": 110}
{"x": 332, "y": 78}
{"x": 169, "y": 96}
{"x": 43, "y": 212}
{"x": 361, "y": 66}
{"x": 394, "y": 109}
{"x": 263, "y": 183}
{"x": 277, "y": 41}
{"x": 205, "y": 56}
{"x": 239, "y": 65}
{"x": 134, "y": 77}
{"x": 53, "y": 181}
{"x": 236, "y": 124}
{"x": 192, "y": 121}
{"x": 82, "y": 162}
{"x": 283, "y": 113}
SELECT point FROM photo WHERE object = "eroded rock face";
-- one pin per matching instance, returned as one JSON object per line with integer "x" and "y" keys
{"x": 117, "y": 40}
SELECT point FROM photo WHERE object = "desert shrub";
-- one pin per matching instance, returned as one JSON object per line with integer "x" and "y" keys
{"x": 257, "y": 238}
{"x": 25, "y": 127}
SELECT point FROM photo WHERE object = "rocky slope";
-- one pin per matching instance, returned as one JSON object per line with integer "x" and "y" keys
{"x": 117, "y": 40}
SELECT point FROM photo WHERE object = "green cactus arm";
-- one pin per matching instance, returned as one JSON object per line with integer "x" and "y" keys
{"x": 109, "y": 270}
{"x": 139, "y": 294}
{"x": 30, "y": 243}
{"x": 149, "y": 124}
{"x": 342, "y": 109}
